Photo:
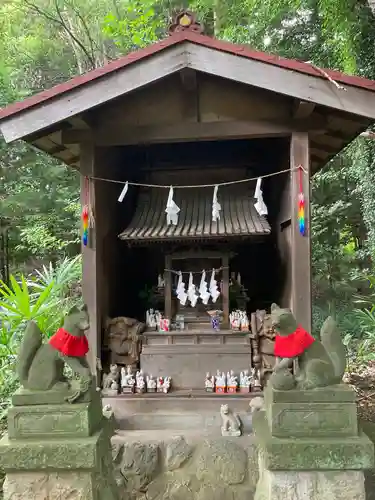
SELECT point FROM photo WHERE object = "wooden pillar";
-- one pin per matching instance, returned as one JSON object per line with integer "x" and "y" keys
{"x": 91, "y": 259}
{"x": 225, "y": 291}
{"x": 168, "y": 287}
{"x": 300, "y": 245}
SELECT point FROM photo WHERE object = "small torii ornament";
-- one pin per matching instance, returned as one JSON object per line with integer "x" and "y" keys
{"x": 185, "y": 20}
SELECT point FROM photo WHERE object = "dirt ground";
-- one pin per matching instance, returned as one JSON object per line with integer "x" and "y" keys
{"x": 363, "y": 382}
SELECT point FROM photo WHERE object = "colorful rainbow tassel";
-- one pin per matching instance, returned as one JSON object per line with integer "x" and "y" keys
{"x": 85, "y": 225}
{"x": 301, "y": 213}
{"x": 301, "y": 205}
{"x": 85, "y": 212}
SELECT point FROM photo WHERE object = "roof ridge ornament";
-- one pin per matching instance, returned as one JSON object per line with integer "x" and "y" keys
{"x": 185, "y": 20}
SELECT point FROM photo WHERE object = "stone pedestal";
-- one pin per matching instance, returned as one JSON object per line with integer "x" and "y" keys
{"x": 55, "y": 451}
{"x": 310, "y": 445}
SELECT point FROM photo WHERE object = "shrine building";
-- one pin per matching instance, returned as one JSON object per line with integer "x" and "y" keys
{"x": 211, "y": 120}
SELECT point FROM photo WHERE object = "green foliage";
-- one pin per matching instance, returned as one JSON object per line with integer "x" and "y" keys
{"x": 139, "y": 25}
{"x": 18, "y": 305}
{"x": 45, "y": 297}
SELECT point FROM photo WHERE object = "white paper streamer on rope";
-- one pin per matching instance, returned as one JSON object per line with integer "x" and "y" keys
{"x": 260, "y": 206}
{"x": 203, "y": 289}
{"x": 123, "y": 192}
{"x": 214, "y": 291}
{"x": 180, "y": 291}
{"x": 171, "y": 209}
{"x": 192, "y": 291}
{"x": 216, "y": 207}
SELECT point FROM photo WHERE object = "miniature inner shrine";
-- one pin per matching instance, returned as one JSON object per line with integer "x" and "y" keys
{"x": 194, "y": 292}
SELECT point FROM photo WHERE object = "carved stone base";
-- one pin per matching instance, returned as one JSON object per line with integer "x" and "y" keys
{"x": 313, "y": 453}
{"x": 51, "y": 421}
{"x": 110, "y": 393}
{"x": 58, "y": 450}
{"x": 325, "y": 412}
{"x": 57, "y": 395}
{"x": 230, "y": 433}
{"x": 309, "y": 485}
{"x": 128, "y": 390}
{"x": 310, "y": 446}
{"x": 64, "y": 462}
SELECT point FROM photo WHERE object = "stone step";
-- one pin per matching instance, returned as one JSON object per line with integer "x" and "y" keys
{"x": 132, "y": 436}
{"x": 175, "y": 421}
{"x": 160, "y": 412}
{"x": 178, "y": 402}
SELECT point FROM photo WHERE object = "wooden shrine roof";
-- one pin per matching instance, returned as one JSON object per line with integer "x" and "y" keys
{"x": 238, "y": 217}
{"x": 348, "y": 106}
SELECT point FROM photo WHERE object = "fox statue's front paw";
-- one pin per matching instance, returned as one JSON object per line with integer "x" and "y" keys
{"x": 71, "y": 399}
{"x": 282, "y": 380}
{"x": 85, "y": 384}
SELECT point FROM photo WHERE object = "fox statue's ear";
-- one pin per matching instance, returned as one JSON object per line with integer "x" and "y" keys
{"x": 274, "y": 307}
{"x": 73, "y": 310}
{"x": 84, "y": 308}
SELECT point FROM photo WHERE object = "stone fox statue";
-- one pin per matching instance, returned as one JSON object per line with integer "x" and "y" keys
{"x": 321, "y": 362}
{"x": 40, "y": 365}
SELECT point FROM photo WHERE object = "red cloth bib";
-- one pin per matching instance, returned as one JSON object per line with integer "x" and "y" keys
{"x": 294, "y": 344}
{"x": 68, "y": 344}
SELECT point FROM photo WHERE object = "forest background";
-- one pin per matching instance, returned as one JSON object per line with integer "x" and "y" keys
{"x": 45, "y": 42}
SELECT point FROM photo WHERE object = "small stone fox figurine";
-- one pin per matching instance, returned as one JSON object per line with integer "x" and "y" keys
{"x": 321, "y": 362}
{"x": 40, "y": 366}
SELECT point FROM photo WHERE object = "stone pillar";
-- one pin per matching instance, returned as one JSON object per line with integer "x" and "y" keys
{"x": 57, "y": 450}
{"x": 310, "y": 447}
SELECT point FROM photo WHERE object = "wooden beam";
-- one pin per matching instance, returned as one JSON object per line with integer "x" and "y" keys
{"x": 317, "y": 160}
{"x": 190, "y": 95}
{"x": 189, "y": 79}
{"x": 324, "y": 147}
{"x": 304, "y": 87}
{"x": 330, "y": 140}
{"x": 301, "y": 86}
{"x": 301, "y": 245}
{"x": 100, "y": 91}
{"x": 190, "y": 131}
{"x": 72, "y": 160}
{"x": 46, "y": 133}
{"x": 202, "y": 254}
{"x": 337, "y": 135}
{"x": 225, "y": 291}
{"x": 91, "y": 259}
{"x": 59, "y": 148}
{"x": 79, "y": 122}
{"x": 319, "y": 153}
{"x": 168, "y": 288}
{"x": 303, "y": 109}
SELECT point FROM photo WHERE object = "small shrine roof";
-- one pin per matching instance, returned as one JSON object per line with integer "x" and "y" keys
{"x": 238, "y": 217}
